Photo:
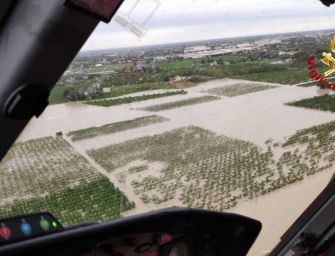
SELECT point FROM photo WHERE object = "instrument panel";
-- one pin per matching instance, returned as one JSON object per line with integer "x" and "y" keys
{"x": 27, "y": 226}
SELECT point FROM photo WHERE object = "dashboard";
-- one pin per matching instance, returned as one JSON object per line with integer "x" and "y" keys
{"x": 27, "y": 227}
{"x": 168, "y": 232}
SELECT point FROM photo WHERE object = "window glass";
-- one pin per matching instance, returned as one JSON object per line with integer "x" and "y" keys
{"x": 221, "y": 105}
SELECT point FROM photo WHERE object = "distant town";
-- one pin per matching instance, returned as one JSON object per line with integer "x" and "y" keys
{"x": 102, "y": 74}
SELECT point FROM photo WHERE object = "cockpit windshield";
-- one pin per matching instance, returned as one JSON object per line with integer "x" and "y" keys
{"x": 218, "y": 104}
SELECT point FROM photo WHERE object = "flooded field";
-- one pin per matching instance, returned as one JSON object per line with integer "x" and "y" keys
{"x": 250, "y": 138}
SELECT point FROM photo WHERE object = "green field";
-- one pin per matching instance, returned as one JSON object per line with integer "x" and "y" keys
{"x": 248, "y": 66}
{"x": 325, "y": 103}
{"x": 47, "y": 174}
{"x": 289, "y": 76}
{"x": 180, "y": 66}
{"x": 115, "y": 127}
{"x": 181, "y": 103}
{"x": 249, "y": 70}
{"x": 129, "y": 89}
{"x": 204, "y": 170}
{"x": 239, "y": 89}
{"x": 97, "y": 200}
{"x": 56, "y": 95}
{"x": 131, "y": 99}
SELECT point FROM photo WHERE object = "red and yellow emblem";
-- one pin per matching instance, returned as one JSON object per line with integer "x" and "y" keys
{"x": 328, "y": 59}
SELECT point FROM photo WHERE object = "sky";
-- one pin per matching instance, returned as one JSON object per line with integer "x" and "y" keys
{"x": 191, "y": 20}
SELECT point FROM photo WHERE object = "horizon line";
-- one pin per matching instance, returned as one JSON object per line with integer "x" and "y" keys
{"x": 203, "y": 40}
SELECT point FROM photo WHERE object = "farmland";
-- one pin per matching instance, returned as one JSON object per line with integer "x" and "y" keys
{"x": 221, "y": 154}
{"x": 216, "y": 155}
{"x": 130, "y": 99}
{"x": 229, "y": 140}
{"x": 77, "y": 205}
{"x": 238, "y": 89}
{"x": 325, "y": 102}
{"x": 203, "y": 170}
{"x": 129, "y": 89}
{"x": 48, "y": 175}
{"x": 180, "y": 103}
{"x": 115, "y": 127}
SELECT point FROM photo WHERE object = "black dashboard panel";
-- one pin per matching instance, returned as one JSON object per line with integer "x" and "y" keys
{"x": 234, "y": 234}
{"x": 26, "y": 227}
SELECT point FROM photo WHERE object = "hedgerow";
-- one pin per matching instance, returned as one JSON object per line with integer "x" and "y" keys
{"x": 130, "y": 99}
{"x": 239, "y": 89}
{"x": 180, "y": 103}
{"x": 115, "y": 127}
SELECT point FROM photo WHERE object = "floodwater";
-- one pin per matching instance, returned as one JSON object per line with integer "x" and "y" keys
{"x": 253, "y": 117}
{"x": 278, "y": 210}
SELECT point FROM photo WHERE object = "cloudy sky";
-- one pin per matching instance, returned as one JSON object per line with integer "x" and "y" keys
{"x": 188, "y": 20}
